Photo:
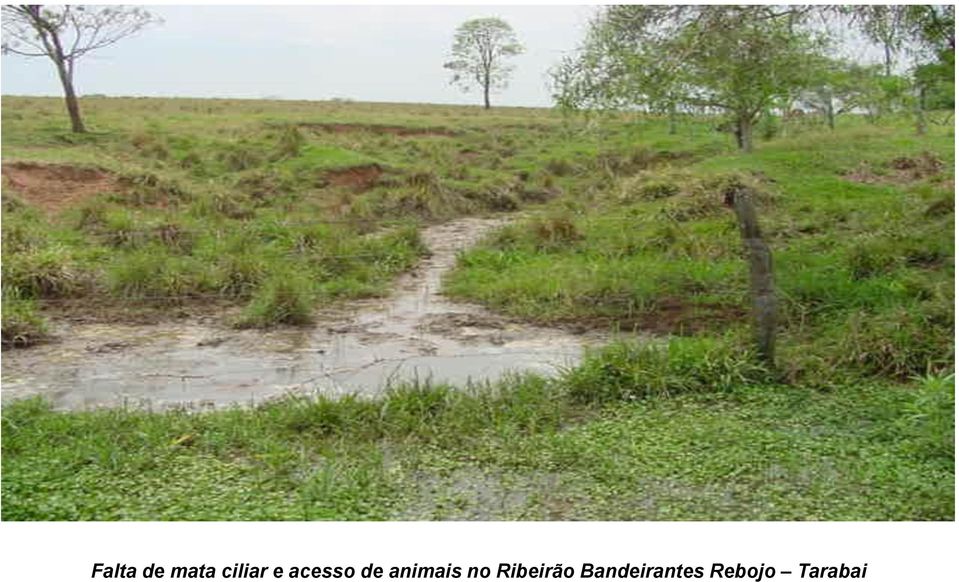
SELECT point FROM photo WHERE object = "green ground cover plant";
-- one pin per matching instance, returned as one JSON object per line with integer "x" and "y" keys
{"x": 280, "y": 207}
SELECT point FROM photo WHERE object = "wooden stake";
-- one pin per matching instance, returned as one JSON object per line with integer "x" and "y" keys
{"x": 760, "y": 271}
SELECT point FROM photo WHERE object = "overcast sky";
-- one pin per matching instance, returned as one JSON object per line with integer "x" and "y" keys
{"x": 368, "y": 53}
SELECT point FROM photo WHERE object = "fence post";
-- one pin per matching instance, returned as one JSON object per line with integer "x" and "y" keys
{"x": 760, "y": 259}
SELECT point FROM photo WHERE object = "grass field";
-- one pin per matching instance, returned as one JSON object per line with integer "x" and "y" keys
{"x": 280, "y": 207}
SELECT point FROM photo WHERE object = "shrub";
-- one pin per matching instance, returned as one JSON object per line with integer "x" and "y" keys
{"x": 290, "y": 142}
{"x": 285, "y": 298}
{"x": 21, "y": 324}
{"x": 92, "y": 215}
{"x": 135, "y": 274}
{"x": 865, "y": 261}
{"x": 19, "y": 236}
{"x": 500, "y": 199}
{"x": 150, "y": 145}
{"x": 658, "y": 189}
{"x": 707, "y": 197}
{"x": 43, "y": 272}
{"x": 560, "y": 167}
{"x": 930, "y": 417}
{"x": 555, "y": 232}
{"x": 152, "y": 271}
{"x": 901, "y": 342}
{"x": 144, "y": 189}
{"x": 229, "y": 205}
{"x": 190, "y": 160}
{"x": 768, "y": 126}
{"x": 631, "y": 371}
{"x": 11, "y": 203}
{"x": 239, "y": 274}
{"x": 240, "y": 156}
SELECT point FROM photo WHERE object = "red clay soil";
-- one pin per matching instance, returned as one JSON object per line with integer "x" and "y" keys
{"x": 53, "y": 187}
{"x": 399, "y": 130}
{"x": 357, "y": 178}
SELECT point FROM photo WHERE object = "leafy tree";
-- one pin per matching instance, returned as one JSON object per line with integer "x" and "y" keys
{"x": 933, "y": 28}
{"x": 734, "y": 59}
{"x": 64, "y": 34}
{"x": 480, "y": 49}
{"x": 915, "y": 28}
{"x": 838, "y": 87}
{"x": 886, "y": 25}
{"x": 928, "y": 33}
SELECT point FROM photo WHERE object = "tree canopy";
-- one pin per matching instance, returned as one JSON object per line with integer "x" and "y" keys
{"x": 744, "y": 61}
{"x": 478, "y": 57}
{"x": 733, "y": 59}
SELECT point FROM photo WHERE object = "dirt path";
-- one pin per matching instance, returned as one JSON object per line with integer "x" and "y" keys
{"x": 363, "y": 347}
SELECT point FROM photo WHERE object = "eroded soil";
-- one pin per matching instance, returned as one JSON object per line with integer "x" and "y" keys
{"x": 361, "y": 347}
{"x": 53, "y": 187}
{"x": 357, "y": 177}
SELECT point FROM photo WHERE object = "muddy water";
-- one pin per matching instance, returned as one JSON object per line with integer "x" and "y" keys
{"x": 364, "y": 347}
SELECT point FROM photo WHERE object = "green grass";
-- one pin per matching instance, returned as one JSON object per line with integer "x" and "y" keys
{"x": 21, "y": 324}
{"x": 207, "y": 188}
{"x": 624, "y": 228}
{"x": 527, "y": 450}
{"x": 864, "y": 271}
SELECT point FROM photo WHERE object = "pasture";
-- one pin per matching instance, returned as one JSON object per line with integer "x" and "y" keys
{"x": 256, "y": 217}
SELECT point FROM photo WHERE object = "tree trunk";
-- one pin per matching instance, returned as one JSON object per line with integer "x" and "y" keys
{"x": 70, "y": 96}
{"x": 744, "y": 134}
{"x": 921, "y": 112}
{"x": 830, "y": 112}
{"x": 765, "y": 305}
{"x": 54, "y": 49}
{"x": 672, "y": 119}
{"x": 486, "y": 96}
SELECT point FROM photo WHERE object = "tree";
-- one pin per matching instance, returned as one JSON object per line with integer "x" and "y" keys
{"x": 928, "y": 33}
{"x": 886, "y": 25}
{"x": 734, "y": 59}
{"x": 480, "y": 49}
{"x": 64, "y": 34}
{"x": 839, "y": 86}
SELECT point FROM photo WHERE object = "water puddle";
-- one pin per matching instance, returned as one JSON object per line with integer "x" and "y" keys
{"x": 364, "y": 347}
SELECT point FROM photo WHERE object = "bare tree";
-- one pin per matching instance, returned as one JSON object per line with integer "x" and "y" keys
{"x": 479, "y": 49}
{"x": 64, "y": 34}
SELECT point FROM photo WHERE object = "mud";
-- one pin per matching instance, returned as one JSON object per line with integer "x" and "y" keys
{"x": 361, "y": 347}
{"x": 53, "y": 187}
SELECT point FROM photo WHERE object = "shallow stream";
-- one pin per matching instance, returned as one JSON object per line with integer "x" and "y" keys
{"x": 364, "y": 346}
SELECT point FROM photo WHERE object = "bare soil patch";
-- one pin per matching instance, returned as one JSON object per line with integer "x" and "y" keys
{"x": 94, "y": 309}
{"x": 898, "y": 171}
{"x": 53, "y": 187}
{"x": 357, "y": 178}
{"x": 668, "y": 316}
{"x": 675, "y": 315}
{"x": 399, "y": 130}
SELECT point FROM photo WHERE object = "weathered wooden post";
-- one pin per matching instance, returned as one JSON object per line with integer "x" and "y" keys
{"x": 739, "y": 197}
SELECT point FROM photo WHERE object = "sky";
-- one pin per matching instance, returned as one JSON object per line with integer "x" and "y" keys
{"x": 365, "y": 53}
